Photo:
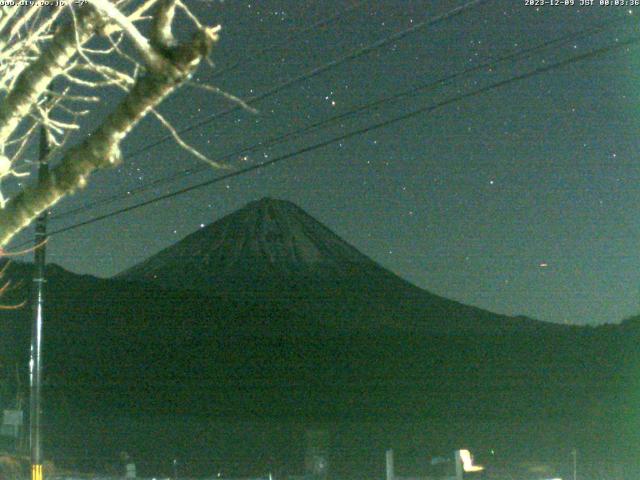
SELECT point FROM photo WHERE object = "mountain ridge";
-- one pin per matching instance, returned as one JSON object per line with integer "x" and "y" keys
{"x": 265, "y": 236}
{"x": 274, "y": 251}
{"x": 115, "y": 347}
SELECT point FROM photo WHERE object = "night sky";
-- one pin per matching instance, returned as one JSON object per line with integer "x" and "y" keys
{"x": 522, "y": 200}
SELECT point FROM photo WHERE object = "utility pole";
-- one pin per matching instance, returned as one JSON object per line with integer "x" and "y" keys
{"x": 457, "y": 457}
{"x": 390, "y": 467}
{"x": 574, "y": 454}
{"x": 35, "y": 362}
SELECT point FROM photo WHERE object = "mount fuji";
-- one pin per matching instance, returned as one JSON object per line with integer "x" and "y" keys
{"x": 271, "y": 251}
{"x": 268, "y": 314}
{"x": 268, "y": 240}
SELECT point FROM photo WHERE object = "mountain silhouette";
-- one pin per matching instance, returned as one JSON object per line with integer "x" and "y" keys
{"x": 266, "y": 241}
{"x": 273, "y": 251}
{"x": 267, "y": 314}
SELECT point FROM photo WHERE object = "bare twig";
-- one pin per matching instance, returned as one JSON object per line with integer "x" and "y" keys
{"x": 176, "y": 136}
{"x": 227, "y": 95}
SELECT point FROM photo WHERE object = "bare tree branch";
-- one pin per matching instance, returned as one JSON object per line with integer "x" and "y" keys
{"x": 151, "y": 58}
{"x": 102, "y": 148}
{"x": 34, "y": 80}
{"x": 232, "y": 98}
{"x": 176, "y": 136}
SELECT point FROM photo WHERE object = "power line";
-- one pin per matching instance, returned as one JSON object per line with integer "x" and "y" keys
{"x": 520, "y": 54}
{"x": 361, "y": 131}
{"x": 319, "y": 70}
{"x": 291, "y": 36}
